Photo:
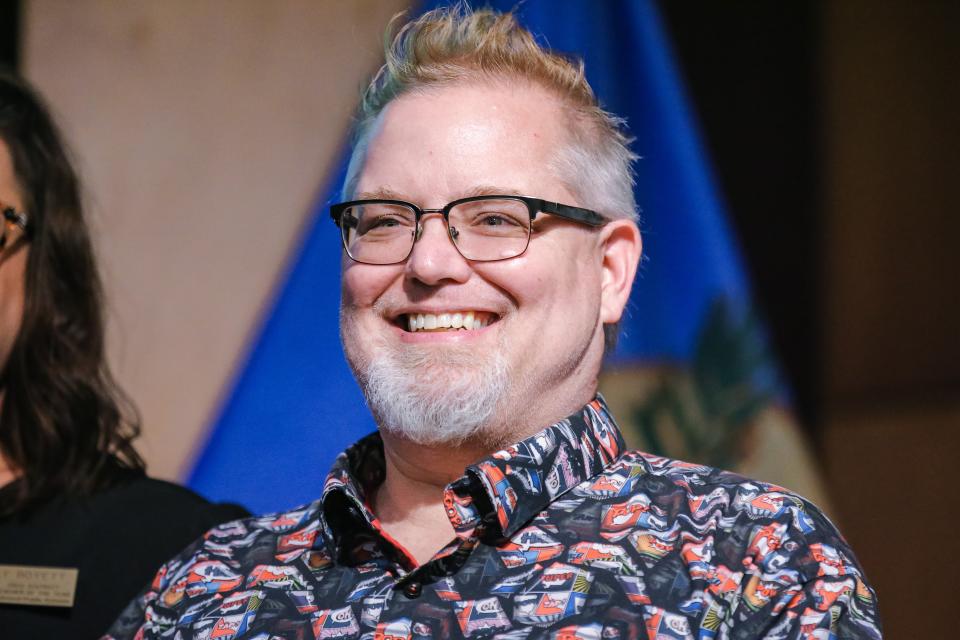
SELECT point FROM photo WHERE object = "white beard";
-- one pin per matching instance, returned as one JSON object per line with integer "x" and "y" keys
{"x": 436, "y": 395}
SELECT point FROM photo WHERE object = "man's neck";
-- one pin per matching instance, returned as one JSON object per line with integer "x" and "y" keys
{"x": 409, "y": 503}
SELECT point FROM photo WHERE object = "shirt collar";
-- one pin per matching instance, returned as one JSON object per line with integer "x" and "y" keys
{"x": 497, "y": 495}
{"x": 348, "y": 519}
{"x": 507, "y": 489}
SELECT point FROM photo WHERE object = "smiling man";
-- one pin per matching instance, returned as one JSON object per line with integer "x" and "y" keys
{"x": 490, "y": 245}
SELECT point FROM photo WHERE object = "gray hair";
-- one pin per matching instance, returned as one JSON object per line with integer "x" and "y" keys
{"x": 458, "y": 44}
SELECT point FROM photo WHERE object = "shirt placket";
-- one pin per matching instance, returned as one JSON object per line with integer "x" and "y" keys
{"x": 359, "y": 537}
{"x": 469, "y": 523}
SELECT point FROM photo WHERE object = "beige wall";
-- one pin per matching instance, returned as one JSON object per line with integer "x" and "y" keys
{"x": 203, "y": 130}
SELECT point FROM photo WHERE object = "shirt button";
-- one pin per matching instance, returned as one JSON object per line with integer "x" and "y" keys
{"x": 413, "y": 590}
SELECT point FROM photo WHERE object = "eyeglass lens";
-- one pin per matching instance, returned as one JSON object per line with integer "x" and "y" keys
{"x": 484, "y": 230}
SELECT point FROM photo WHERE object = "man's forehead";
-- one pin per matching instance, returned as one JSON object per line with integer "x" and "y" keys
{"x": 476, "y": 139}
{"x": 476, "y": 109}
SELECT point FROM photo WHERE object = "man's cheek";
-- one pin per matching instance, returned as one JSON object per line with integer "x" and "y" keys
{"x": 364, "y": 284}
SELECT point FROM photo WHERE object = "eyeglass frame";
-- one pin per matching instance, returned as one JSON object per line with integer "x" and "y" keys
{"x": 18, "y": 218}
{"x": 580, "y": 215}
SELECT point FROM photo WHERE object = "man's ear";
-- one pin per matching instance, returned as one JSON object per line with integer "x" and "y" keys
{"x": 622, "y": 246}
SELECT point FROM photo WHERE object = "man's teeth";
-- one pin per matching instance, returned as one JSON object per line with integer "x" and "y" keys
{"x": 446, "y": 321}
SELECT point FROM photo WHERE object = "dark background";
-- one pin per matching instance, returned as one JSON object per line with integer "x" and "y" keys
{"x": 751, "y": 72}
{"x": 833, "y": 128}
{"x": 9, "y": 31}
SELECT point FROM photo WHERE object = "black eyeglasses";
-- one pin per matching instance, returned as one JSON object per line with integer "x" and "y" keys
{"x": 482, "y": 228}
{"x": 11, "y": 218}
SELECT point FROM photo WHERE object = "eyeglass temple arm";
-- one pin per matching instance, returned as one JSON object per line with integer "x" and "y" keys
{"x": 586, "y": 216}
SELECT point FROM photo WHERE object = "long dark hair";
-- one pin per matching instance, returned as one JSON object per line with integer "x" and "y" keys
{"x": 64, "y": 421}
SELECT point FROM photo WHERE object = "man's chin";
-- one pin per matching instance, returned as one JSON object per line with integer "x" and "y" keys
{"x": 437, "y": 397}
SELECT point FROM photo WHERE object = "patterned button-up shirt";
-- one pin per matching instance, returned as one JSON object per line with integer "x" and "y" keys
{"x": 562, "y": 535}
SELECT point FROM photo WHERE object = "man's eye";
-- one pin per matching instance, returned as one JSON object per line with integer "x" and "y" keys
{"x": 496, "y": 220}
{"x": 384, "y": 221}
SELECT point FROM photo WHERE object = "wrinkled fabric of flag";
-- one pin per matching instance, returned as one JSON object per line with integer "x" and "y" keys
{"x": 692, "y": 376}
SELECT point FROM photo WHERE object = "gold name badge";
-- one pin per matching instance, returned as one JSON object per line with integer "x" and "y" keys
{"x": 41, "y": 586}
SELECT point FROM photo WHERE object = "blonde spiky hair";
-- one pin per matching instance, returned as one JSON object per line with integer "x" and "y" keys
{"x": 458, "y": 44}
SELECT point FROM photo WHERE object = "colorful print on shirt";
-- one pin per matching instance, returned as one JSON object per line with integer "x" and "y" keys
{"x": 562, "y": 535}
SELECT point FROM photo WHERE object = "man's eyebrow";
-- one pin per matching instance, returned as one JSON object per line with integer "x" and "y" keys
{"x": 386, "y": 193}
{"x": 488, "y": 190}
{"x": 383, "y": 193}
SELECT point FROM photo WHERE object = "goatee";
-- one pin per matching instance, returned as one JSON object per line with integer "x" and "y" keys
{"x": 436, "y": 395}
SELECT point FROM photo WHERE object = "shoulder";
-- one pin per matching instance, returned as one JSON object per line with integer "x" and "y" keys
{"x": 152, "y": 518}
{"x": 116, "y": 538}
{"x": 148, "y": 499}
{"x": 706, "y": 488}
{"x": 142, "y": 522}
{"x": 146, "y": 518}
{"x": 737, "y": 539}
{"x": 234, "y": 549}
{"x": 227, "y": 559}
{"x": 743, "y": 521}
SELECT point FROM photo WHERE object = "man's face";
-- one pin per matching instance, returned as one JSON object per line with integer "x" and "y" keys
{"x": 537, "y": 357}
{"x": 13, "y": 261}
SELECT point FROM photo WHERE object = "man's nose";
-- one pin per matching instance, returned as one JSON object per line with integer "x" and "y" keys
{"x": 434, "y": 257}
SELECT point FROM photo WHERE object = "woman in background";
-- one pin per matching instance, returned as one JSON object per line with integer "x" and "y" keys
{"x": 73, "y": 492}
